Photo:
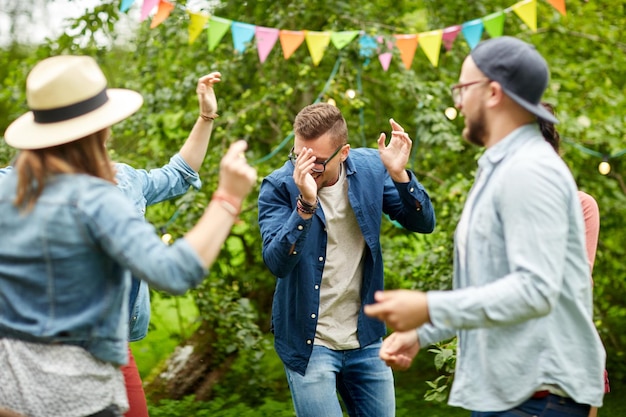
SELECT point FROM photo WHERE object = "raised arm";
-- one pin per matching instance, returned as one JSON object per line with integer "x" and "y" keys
{"x": 195, "y": 147}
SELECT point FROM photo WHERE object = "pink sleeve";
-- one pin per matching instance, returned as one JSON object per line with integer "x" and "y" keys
{"x": 591, "y": 213}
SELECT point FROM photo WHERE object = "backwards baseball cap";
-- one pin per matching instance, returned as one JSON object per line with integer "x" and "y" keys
{"x": 518, "y": 68}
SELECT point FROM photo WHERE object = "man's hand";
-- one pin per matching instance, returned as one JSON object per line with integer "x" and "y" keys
{"x": 302, "y": 175}
{"x": 396, "y": 154}
{"x": 399, "y": 349}
{"x": 400, "y": 309}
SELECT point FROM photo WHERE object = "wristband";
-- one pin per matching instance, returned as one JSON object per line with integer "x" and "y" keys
{"x": 228, "y": 203}
{"x": 207, "y": 117}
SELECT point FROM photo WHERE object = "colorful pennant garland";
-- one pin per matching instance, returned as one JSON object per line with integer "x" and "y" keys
{"x": 317, "y": 42}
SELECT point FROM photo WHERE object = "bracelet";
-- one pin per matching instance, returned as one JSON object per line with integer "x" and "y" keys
{"x": 228, "y": 203}
{"x": 207, "y": 117}
{"x": 304, "y": 206}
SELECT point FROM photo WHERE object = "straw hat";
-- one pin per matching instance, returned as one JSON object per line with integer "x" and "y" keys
{"x": 69, "y": 100}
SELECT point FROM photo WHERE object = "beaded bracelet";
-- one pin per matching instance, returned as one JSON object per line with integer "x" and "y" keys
{"x": 304, "y": 206}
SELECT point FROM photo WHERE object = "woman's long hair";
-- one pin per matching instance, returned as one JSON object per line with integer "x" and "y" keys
{"x": 548, "y": 130}
{"x": 83, "y": 156}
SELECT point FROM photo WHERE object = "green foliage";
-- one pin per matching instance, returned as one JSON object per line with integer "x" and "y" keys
{"x": 257, "y": 102}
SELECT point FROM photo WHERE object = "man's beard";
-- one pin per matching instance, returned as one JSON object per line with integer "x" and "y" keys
{"x": 476, "y": 129}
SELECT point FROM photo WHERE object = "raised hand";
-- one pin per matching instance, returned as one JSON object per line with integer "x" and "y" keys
{"x": 206, "y": 95}
{"x": 395, "y": 155}
{"x": 236, "y": 177}
{"x": 302, "y": 175}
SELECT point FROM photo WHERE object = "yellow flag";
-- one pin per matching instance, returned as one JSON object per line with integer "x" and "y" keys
{"x": 317, "y": 42}
{"x": 196, "y": 24}
{"x": 430, "y": 42}
{"x": 527, "y": 11}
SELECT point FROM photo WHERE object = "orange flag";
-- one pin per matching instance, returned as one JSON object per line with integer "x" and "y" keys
{"x": 559, "y": 5}
{"x": 407, "y": 44}
{"x": 163, "y": 12}
{"x": 290, "y": 40}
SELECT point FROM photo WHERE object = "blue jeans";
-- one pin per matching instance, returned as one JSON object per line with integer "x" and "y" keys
{"x": 550, "y": 406}
{"x": 363, "y": 380}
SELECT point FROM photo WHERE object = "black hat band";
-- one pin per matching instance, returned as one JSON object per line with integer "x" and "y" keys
{"x": 61, "y": 114}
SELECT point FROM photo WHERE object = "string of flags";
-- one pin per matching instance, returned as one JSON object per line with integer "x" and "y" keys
{"x": 317, "y": 42}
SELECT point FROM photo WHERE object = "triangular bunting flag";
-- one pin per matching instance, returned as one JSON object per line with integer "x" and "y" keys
{"x": 472, "y": 31}
{"x": 196, "y": 24}
{"x": 341, "y": 39}
{"x": 449, "y": 35}
{"x": 125, "y": 5}
{"x": 265, "y": 40}
{"x": 385, "y": 60}
{"x": 317, "y": 42}
{"x": 146, "y": 8}
{"x": 290, "y": 40}
{"x": 367, "y": 46}
{"x": 559, "y": 5}
{"x": 384, "y": 52}
{"x": 527, "y": 11}
{"x": 430, "y": 42}
{"x": 407, "y": 44}
{"x": 163, "y": 12}
{"x": 242, "y": 35}
{"x": 218, "y": 27}
{"x": 494, "y": 24}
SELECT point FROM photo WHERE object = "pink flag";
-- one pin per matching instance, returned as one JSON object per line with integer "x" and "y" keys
{"x": 265, "y": 40}
{"x": 449, "y": 35}
{"x": 385, "y": 60}
{"x": 147, "y": 7}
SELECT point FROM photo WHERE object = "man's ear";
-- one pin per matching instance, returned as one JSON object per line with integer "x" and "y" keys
{"x": 345, "y": 151}
{"x": 495, "y": 94}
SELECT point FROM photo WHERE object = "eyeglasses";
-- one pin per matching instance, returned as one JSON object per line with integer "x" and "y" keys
{"x": 293, "y": 157}
{"x": 457, "y": 90}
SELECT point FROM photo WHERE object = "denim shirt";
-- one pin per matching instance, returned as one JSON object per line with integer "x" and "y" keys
{"x": 522, "y": 308}
{"x": 65, "y": 265}
{"x": 146, "y": 188}
{"x": 294, "y": 249}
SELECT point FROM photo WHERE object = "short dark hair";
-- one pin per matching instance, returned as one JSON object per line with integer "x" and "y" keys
{"x": 317, "y": 119}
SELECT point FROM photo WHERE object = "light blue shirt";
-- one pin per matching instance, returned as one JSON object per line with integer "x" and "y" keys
{"x": 522, "y": 304}
{"x": 146, "y": 188}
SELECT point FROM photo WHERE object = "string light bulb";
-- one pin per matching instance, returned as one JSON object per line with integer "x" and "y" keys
{"x": 450, "y": 113}
{"x": 351, "y": 94}
{"x": 166, "y": 238}
{"x": 604, "y": 168}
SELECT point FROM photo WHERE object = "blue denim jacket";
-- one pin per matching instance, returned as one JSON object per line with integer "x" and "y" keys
{"x": 522, "y": 308}
{"x": 64, "y": 266}
{"x": 146, "y": 188}
{"x": 294, "y": 249}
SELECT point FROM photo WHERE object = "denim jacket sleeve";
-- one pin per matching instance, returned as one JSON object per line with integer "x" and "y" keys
{"x": 160, "y": 184}
{"x": 409, "y": 205}
{"x": 132, "y": 242}
{"x": 283, "y": 231}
